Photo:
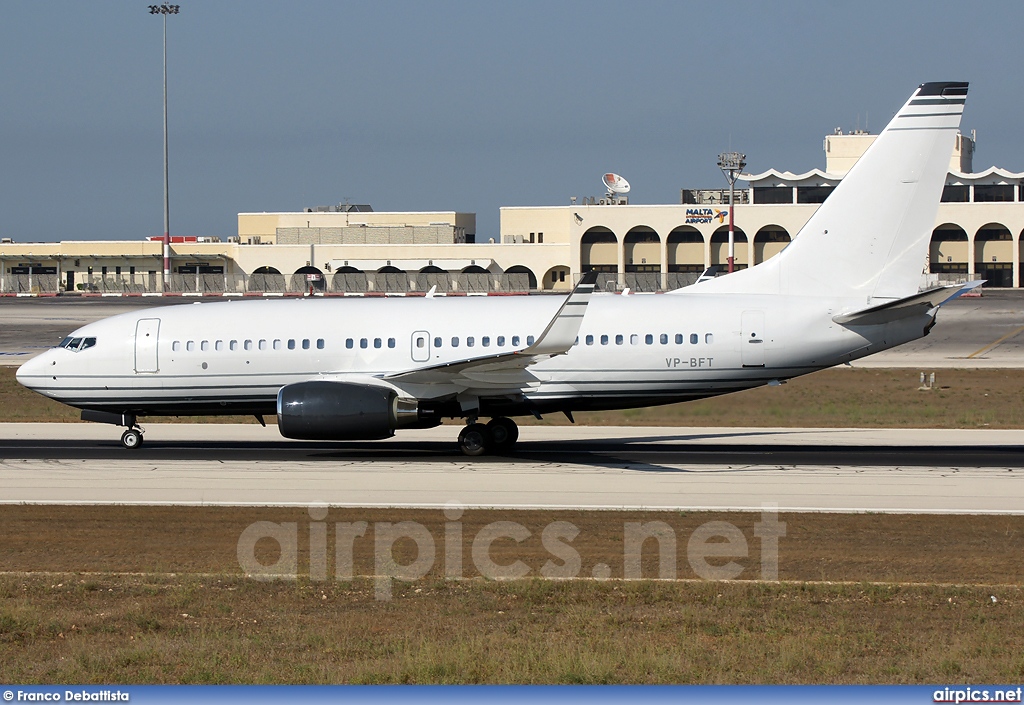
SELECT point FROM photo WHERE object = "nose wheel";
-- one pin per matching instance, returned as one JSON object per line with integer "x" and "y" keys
{"x": 132, "y": 438}
{"x": 498, "y": 436}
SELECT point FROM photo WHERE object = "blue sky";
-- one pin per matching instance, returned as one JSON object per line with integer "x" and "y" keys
{"x": 456, "y": 105}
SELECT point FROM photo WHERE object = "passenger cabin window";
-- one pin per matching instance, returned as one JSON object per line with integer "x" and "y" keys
{"x": 470, "y": 341}
{"x": 233, "y": 345}
{"x": 248, "y": 345}
{"x": 590, "y": 340}
{"x": 515, "y": 341}
{"x": 485, "y": 341}
{"x": 377, "y": 343}
{"x": 291, "y": 343}
{"x": 305, "y": 343}
{"x": 634, "y": 339}
{"x": 363, "y": 343}
{"x": 175, "y": 346}
{"x": 709, "y": 338}
{"x": 219, "y": 345}
{"x": 529, "y": 340}
{"x": 391, "y": 342}
{"x": 349, "y": 343}
{"x": 190, "y": 345}
{"x": 263, "y": 344}
{"x": 320, "y": 343}
{"x": 205, "y": 345}
{"x": 694, "y": 339}
{"x": 649, "y": 339}
{"x": 437, "y": 342}
{"x": 421, "y": 341}
{"x": 455, "y": 342}
{"x": 618, "y": 339}
{"x": 664, "y": 338}
{"x": 604, "y": 340}
{"x": 679, "y": 338}
{"x": 501, "y": 341}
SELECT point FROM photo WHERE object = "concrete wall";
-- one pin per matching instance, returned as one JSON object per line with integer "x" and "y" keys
{"x": 265, "y": 225}
{"x": 517, "y": 223}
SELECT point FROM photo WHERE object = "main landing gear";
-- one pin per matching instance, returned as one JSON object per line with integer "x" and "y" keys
{"x": 132, "y": 438}
{"x": 497, "y": 436}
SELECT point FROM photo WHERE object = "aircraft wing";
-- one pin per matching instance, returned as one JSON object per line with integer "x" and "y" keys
{"x": 506, "y": 369}
{"x": 904, "y": 308}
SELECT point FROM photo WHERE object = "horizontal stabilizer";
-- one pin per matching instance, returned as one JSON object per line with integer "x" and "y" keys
{"x": 905, "y": 308}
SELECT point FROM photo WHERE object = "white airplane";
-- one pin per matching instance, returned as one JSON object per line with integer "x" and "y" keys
{"x": 362, "y": 368}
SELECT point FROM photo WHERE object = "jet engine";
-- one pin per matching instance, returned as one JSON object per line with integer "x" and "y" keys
{"x": 340, "y": 411}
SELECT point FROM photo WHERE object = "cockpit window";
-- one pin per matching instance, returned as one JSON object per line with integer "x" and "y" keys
{"x": 77, "y": 344}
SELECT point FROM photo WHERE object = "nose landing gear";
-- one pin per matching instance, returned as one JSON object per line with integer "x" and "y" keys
{"x": 497, "y": 436}
{"x": 132, "y": 438}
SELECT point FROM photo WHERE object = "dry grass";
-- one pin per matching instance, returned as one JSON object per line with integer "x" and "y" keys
{"x": 909, "y": 548}
{"x": 155, "y": 595}
{"x": 67, "y": 629}
{"x": 867, "y": 398}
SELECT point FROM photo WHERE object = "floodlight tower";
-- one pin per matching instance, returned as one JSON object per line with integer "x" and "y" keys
{"x": 165, "y": 10}
{"x": 731, "y": 164}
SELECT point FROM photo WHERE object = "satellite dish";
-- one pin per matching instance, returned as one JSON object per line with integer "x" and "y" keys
{"x": 615, "y": 183}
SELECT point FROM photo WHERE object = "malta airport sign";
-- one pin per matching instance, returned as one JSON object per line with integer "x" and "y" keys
{"x": 703, "y": 216}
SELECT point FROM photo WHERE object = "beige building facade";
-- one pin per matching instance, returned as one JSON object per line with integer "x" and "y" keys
{"x": 978, "y": 233}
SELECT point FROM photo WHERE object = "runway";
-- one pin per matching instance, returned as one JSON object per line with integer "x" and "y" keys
{"x": 846, "y": 470}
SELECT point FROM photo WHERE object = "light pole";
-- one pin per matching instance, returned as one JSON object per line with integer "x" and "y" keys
{"x": 731, "y": 164}
{"x": 165, "y": 10}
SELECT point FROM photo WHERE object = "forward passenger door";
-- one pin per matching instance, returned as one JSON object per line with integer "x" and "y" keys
{"x": 147, "y": 332}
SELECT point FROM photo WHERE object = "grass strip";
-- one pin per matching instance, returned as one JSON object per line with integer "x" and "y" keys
{"x": 188, "y": 629}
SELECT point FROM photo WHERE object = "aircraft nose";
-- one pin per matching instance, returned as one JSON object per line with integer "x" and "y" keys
{"x": 29, "y": 372}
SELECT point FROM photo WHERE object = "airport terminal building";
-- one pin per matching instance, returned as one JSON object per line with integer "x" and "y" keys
{"x": 353, "y": 250}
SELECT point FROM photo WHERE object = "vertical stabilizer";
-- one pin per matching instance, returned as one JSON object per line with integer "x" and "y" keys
{"x": 870, "y": 237}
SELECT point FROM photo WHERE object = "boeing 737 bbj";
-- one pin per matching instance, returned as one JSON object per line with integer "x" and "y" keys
{"x": 362, "y": 368}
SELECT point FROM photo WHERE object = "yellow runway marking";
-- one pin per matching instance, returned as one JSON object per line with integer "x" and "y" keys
{"x": 992, "y": 345}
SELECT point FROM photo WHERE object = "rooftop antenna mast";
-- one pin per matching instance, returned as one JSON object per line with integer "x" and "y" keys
{"x": 731, "y": 164}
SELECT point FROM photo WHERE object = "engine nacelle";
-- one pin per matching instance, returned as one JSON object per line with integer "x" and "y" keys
{"x": 340, "y": 411}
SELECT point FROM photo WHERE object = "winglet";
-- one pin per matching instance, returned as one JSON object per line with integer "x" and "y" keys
{"x": 561, "y": 332}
